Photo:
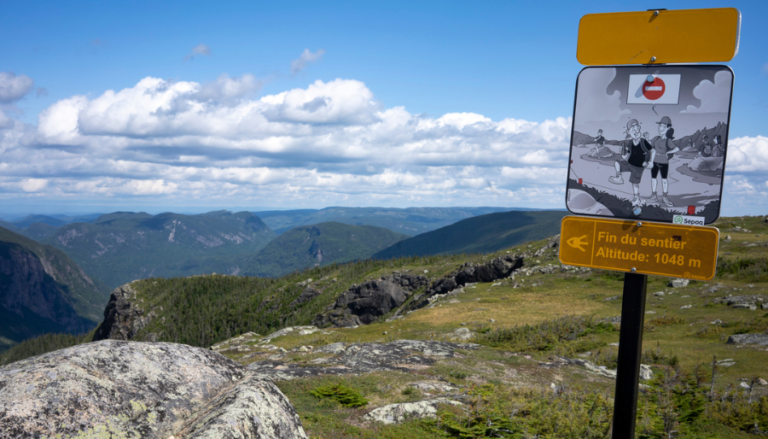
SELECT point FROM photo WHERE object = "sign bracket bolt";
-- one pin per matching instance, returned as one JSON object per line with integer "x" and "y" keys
{"x": 653, "y": 59}
{"x": 633, "y": 269}
{"x": 639, "y": 224}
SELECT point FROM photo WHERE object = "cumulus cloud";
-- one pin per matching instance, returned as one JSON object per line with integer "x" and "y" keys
{"x": 747, "y": 154}
{"x": 226, "y": 88}
{"x": 200, "y": 49}
{"x": 327, "y": 143}
{"x": 14, "y": 87}
{"x": 33, "y": 184}
{"x": 305, "y": 59}
{"x": 714, "y": 96}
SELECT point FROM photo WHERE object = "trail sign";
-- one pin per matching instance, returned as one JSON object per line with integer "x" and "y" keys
{"x": 640, "y": 247}
{"x": 659, "y": 36}
{"x": 649, "y": 142}
{"x": 614, "y": 102}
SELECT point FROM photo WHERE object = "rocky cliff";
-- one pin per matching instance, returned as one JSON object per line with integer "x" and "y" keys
{"x": 121, "y": 389}
{"x": 124, "y": 317}
{"x": 42, "y": 290}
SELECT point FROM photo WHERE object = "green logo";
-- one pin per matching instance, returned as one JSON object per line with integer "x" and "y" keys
{"x": 678, "y": 219}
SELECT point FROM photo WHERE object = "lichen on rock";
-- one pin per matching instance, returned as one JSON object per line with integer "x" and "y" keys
{"x": 116, "y": 389}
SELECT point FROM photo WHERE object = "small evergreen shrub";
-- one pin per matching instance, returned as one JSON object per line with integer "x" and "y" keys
{"x": 344, "y": 395}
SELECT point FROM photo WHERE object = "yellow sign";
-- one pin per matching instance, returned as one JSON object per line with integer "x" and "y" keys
{"x": 642, "y": 247}
{"x": 653, "y": 37}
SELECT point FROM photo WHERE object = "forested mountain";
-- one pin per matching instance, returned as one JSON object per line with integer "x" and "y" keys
{"x": 123, "y": 246}
{"x": 411, "y": 221}
{"x": 481, "y": 234}
{"x": 319, "y": 244}
{"x": 42, "y": 290}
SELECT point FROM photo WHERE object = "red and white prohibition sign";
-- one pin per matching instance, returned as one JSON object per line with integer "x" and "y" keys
{"x": 654, "y": 90}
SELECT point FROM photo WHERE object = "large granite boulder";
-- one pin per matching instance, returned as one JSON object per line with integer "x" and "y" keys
{"x": 252, "y": 409}
{"x": 122, "y": 389}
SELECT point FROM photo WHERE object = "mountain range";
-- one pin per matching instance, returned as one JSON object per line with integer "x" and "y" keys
{"x": 120, "y": 247}
{"x": 481, "y": 234}
{"x": 410, "y": 221}
{"x": 317, "y": 245}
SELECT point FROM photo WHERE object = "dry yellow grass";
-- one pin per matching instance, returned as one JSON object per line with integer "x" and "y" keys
{"x": 509, "y": 307}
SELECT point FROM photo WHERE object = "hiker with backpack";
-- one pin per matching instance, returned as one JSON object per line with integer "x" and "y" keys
{"x": 664, "y": 148}
{"x": 636, "y": 155}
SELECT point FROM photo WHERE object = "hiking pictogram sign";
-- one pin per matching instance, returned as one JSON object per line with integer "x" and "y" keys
{"x": 649, "y": 142}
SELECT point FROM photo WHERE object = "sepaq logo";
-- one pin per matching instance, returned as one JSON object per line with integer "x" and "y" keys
{"x": 684, "y": 220}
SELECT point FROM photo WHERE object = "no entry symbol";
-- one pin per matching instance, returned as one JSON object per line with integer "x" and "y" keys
{"x": 654, "y": 90}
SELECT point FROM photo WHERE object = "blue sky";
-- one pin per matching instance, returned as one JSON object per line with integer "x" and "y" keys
{"x": 422, "y": 104}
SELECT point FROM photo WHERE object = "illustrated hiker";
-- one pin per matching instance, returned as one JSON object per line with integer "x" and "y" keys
{"x": 599, "y": 150}
{"x": 664, "y": 149}
{"x": 706, "y": 147}
{"x": 634, "y": 159}
{"x": 718, "y": 150}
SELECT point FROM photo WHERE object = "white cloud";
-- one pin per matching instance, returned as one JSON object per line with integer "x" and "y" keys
{"x": 33, "y": 184}
{"x": 328, "y": 143}
{"x": 714, "y": 97}
{"x": 600, "y": 106}
{"x": 304, "y": 59}
{"x": 200, "y": 49}
{"x": 13, "y": 87}
{"x": 226, "y": 88}
{"x": 747, "y": 154}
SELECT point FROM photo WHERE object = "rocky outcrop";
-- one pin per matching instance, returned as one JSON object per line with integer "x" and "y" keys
{"x": 396, "y": 413}
{"x": 124, "y": 317}
{"x": 308, "y": 294}
{"x": 363, "y": 304}
{"x": 753, "y": 302}
{"x": 756, "y": 339}
{"x": 252, "y": 409}
{"x": 122, "y": 389}
{"x": 359, "y": 358}
{"x": 493, "y": 270}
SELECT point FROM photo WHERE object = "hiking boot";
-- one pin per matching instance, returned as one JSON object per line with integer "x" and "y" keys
{"x": 637, "y": 201}
{"x": 617, "y": 179}
{"x": 653, "y": 199}
{"x": 667, "y": 202}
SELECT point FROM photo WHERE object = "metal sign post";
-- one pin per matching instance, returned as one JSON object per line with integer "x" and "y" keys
{"x": 630, "y": 351}
{"x": 648, "y": 143}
